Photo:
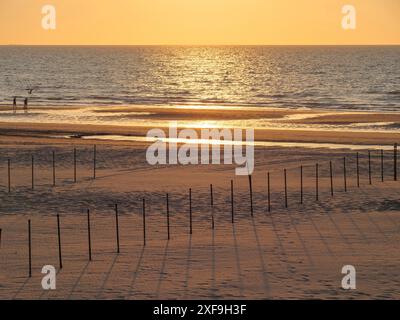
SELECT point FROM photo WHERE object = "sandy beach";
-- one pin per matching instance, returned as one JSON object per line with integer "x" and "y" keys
{"x": 288, "y": 253}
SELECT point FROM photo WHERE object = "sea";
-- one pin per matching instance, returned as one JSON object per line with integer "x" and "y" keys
{"x": 357, "y": 78}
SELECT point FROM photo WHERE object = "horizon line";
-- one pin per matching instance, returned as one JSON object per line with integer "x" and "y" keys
{"x": 201, "y": 45}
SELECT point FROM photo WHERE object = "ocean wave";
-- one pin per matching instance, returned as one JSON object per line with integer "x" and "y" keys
{"x": 273, "y": 96}
{"x": 57, "y": 99}
{"x": 395, "y": 92}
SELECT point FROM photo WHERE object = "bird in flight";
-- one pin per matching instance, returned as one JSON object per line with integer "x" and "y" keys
{"x": 30, "y": 90}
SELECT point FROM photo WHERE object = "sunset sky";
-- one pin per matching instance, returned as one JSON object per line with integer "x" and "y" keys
{"x": 147, "y": 22}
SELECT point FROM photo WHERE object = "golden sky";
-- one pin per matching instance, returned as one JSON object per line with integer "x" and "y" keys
{"x": 142, "y": 22}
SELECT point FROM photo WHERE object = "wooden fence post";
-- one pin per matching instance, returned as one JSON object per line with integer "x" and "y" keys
{"x": 54, "y": 169}
{"x": 382, "y": 171}
{"x": 9, "y": 175}
{"x": 59, "y": 242}
{"x": 269, "y": 192}
{"x": 29, "y": 249}
{"x": 89, "y": 235}
{"x": 190, "y": 212}
{"x": 369, "y": 167}
{"x": 317, "y": 182}
{"x": 286, "y": 193}
{"x": 331, "y": 176}
{"x": 75, "y": 165}
{"x": 251, "y": 195}
{"x": 94, "y": 161}
{"x": 33, "y": 172}
{"x": 232, "y": 204}
{"x": 301, "y": 184}
{"x": 144, "y": 222}
{"x": 168, "y": 231}
{"x": 212, "y": 206}
{"x": 395, "y": 162}
{"x": 358, "y": 170}
{"x": 117, "y": 227}
{"x": 344, "y": 174}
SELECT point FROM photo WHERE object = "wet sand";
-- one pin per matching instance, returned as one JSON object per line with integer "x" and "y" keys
{"x": 56, "y": 131}
{"x": 281, "y": 125}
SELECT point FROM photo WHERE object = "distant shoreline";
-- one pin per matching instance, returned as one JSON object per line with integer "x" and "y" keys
{"x": 199, "y": 45}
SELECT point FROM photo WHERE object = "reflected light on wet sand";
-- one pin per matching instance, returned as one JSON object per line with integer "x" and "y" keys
{"x": 243, "y": 143}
